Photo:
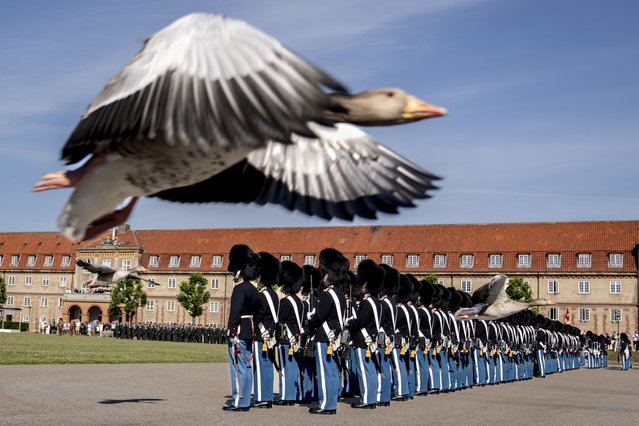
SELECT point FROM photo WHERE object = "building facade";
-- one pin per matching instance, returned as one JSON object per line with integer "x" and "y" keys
{"x": 588, "y": 269}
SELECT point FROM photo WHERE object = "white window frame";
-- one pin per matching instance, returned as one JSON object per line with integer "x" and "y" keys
{"x": 524, "y": 260}
{"x": 174, "y": 261}
{"x": 46, "y": 281}
{"x": 309, "y": 259}
{"x": 25, "y": 318}
{"x": 466, "y": 260}
{"x": 150, "y": 305}
{"x": 584, "y": 314}
{"x": 171, "y": 283}
{"x": 10, "y": 300}
{"x": 217, "y": 261}
{"x": 1, "y": 259}
{"x": 553, "y": 313}
{"x": 44, "y": 302}
{"x": 60, "y": 302}
{"x": 11, "y": 280}
{"x": 613, "y": 317}
{"x": 615, "y": 260}
{"x": 553, "y": 260}
{"x": 466, "y": 285}
{"x": 495, "y": 260}
{"x": 28, "y": 281}
{"x": 48, "y": 260}
{"x": 387, "y": 259}
{"x": 26, "y": 301}
{"x": 31, "y": 260}
{"x": 195, "y": 262}
{"x": 439, "y": 261}
{"x": 359, "y": 258}
{"x": 127, "y": 264}
{"x": 583, "y": 287}
{"x": 15, "y": 260}
{"x": 66, "y": 260}
{"x": 215, "y": 283}
{"x": 154, "y": 261}
{"x": 553, "y": 287}
{"x": 170, "y": 305}
{"x": 584, "y": 260}
{"x": 214, "y": 307}
{"x": 412, "y": 261}
{"x": 62, "y": 282}
{"x": 616, "y": 287}
{"x": 107, "y": 262}
{"x": 151, "y": 282}
{"x": 286, "y": 257}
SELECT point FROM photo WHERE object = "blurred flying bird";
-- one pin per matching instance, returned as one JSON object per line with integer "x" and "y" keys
{"x": 107, "y": 276}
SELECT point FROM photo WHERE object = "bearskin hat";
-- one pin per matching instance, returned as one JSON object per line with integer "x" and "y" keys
{"x": 455, "y": 299}
{"x": 352, "y": 287}
{"x": 270, "y": 269}
{"x": 417, "y": 285}
{"x": 391, "y": 280}
{"x": 334, "y": 266}
{"x": 426, "y": 293}
{"x": 444, "y": 297}
{"x": 291, "y": 277}
{"x": 405, "y": 289}
{"x": 244, "y": 261}
{"x": 310, "y": 279}
{"x": 371, "y": 275}
{"x": 467, "y": 300}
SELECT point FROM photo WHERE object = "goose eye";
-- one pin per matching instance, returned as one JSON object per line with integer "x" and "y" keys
{"x": 390, "y": 94}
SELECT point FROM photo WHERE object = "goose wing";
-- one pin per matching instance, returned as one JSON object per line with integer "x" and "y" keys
{"x": 209, "y": 81}
{"x": 493, "y": 292}
{"x": 341, "y": 174}
{"x": 101, "y": 270}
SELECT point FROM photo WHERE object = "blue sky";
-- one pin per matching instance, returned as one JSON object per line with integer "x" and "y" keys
{"x": 543, "y": 99}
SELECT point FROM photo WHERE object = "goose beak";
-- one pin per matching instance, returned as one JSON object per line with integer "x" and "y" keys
{"x": 416, "y": 109}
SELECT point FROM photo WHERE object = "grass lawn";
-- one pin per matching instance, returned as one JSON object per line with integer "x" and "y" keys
{"x": 27, "y": 348}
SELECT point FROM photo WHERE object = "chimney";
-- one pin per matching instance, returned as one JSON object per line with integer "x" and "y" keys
{"x": 124, "y": 228}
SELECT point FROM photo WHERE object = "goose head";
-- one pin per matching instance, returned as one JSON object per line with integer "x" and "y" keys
{"x": 381, "y": 107}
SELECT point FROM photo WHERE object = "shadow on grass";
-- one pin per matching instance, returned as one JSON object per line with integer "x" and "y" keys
{"x": 136, "y": 400}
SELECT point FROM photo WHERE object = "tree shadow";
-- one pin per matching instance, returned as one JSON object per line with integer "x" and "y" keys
{"x": 136, "y": 400}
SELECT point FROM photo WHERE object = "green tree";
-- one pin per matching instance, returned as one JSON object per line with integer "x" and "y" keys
{"x": 519, "y": 290}
{"x": 130, "y": 294}
{"x": 193, "y": 295}
{"x": 3, "y": 292}
{"x": 431, "y": 279}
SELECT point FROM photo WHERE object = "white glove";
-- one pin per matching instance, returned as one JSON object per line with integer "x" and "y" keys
{"x": 310, "y": 314}
{"x": 265, "y": 335}
{"x": 235, "y": 340}
{"x": 331, "y": 335}
{"x": 348, "y": 320}
{"x": 368, "y": 340}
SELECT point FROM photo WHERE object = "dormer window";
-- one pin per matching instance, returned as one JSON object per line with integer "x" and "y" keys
{"x": 584, "y": 260}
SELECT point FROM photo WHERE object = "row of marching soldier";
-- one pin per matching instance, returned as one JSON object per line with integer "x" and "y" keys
{"x": 378, "y": 335}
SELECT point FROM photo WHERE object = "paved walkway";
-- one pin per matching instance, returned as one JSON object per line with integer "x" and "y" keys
{"x": 193, "y": 394}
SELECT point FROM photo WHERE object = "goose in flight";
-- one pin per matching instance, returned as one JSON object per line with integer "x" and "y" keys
{"x": 107, "y": 276}
{"x": 491, "y": 302}
{"x": 214, "y": 110}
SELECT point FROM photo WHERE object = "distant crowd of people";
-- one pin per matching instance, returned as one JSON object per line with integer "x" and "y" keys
{"x": 170, "y": 332}
{"x": 73, "y": 327}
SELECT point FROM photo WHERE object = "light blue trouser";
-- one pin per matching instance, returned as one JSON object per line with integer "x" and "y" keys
{"x": 423, "y": 368}
{"x": 328, "y": 380}
{"x": 367, "y": 376}
{"x": 386, "y": 377}
{"x": 290, "y": 378}
{"x": 244, "y": 378}
{"x": 308, "y": 385}
{"x": 263, "y": 378}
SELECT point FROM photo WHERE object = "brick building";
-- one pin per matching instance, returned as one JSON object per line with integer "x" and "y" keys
{"x": 587, "y": 268}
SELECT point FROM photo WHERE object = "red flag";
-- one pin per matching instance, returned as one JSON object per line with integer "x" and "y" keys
{"x": 567, "y": 318}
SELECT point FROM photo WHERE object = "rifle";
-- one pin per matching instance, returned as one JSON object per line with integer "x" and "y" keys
{"x": 345, "y": 348}
{"x": 309, "y": 344}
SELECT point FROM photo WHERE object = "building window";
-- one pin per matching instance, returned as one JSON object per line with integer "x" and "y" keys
{"x": 309, "y": 260}
{"x": 9, "y": 300}
{"x": 524, "y": 260}
{"x": 11, "y": 280}
{"x": 215, "y": 283}
{"x": 15, "y": 260}
{"x": 45, "y": 281}
{"x": 440, "y": 281}
{"x": 412, "y": 261}
{"x": 60, "y": 302}
{"x": 615, "y": 287}
{"x": 615, "y": 260}
{"x": 494, "y": 261}
{"x": 170, "y": 305}
{"x": 26, "y": 301}
{"x": 358, "y": 259}
{"x": 387, "y": 259}
{"x": 62, "y": 282}
{"x": 584, "y": 287}
{"x": 286, "y": 257}
{"x": 584, "y": 314}
{"x": 553, "y": 287}
{"x": 171, "y": 283}
{"x": 66, "y": 260}
{"x": 48, "y": 260}
{"x": 467, "y": 286}
{"x": 584, "y": 260}
{"x": 154, "y": 261}
{"x": 150, "y": 305}
{"x": 150, "y": 283}
{"x": 214, "y": 307}
{"x": 615, "y": 315}
{"x": 126, "y": 264}
{"x": 28, "y": 281}
{"x": 44, "y": 302}
{"x": 1, "y": 259}
{"x": 466, "y": 261}
{"x": 439, "y": 261}
{"x": 107, "y": 262}
{"x": 25, "y": 318}
{"x": 31, "y": 260}
{"x": 174, "y": 261}
{"x": 553, "y": 313}
{"x": 195, "y": 261}
{"x": 554, "y": 260}
{"x": 217, "y": 261}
